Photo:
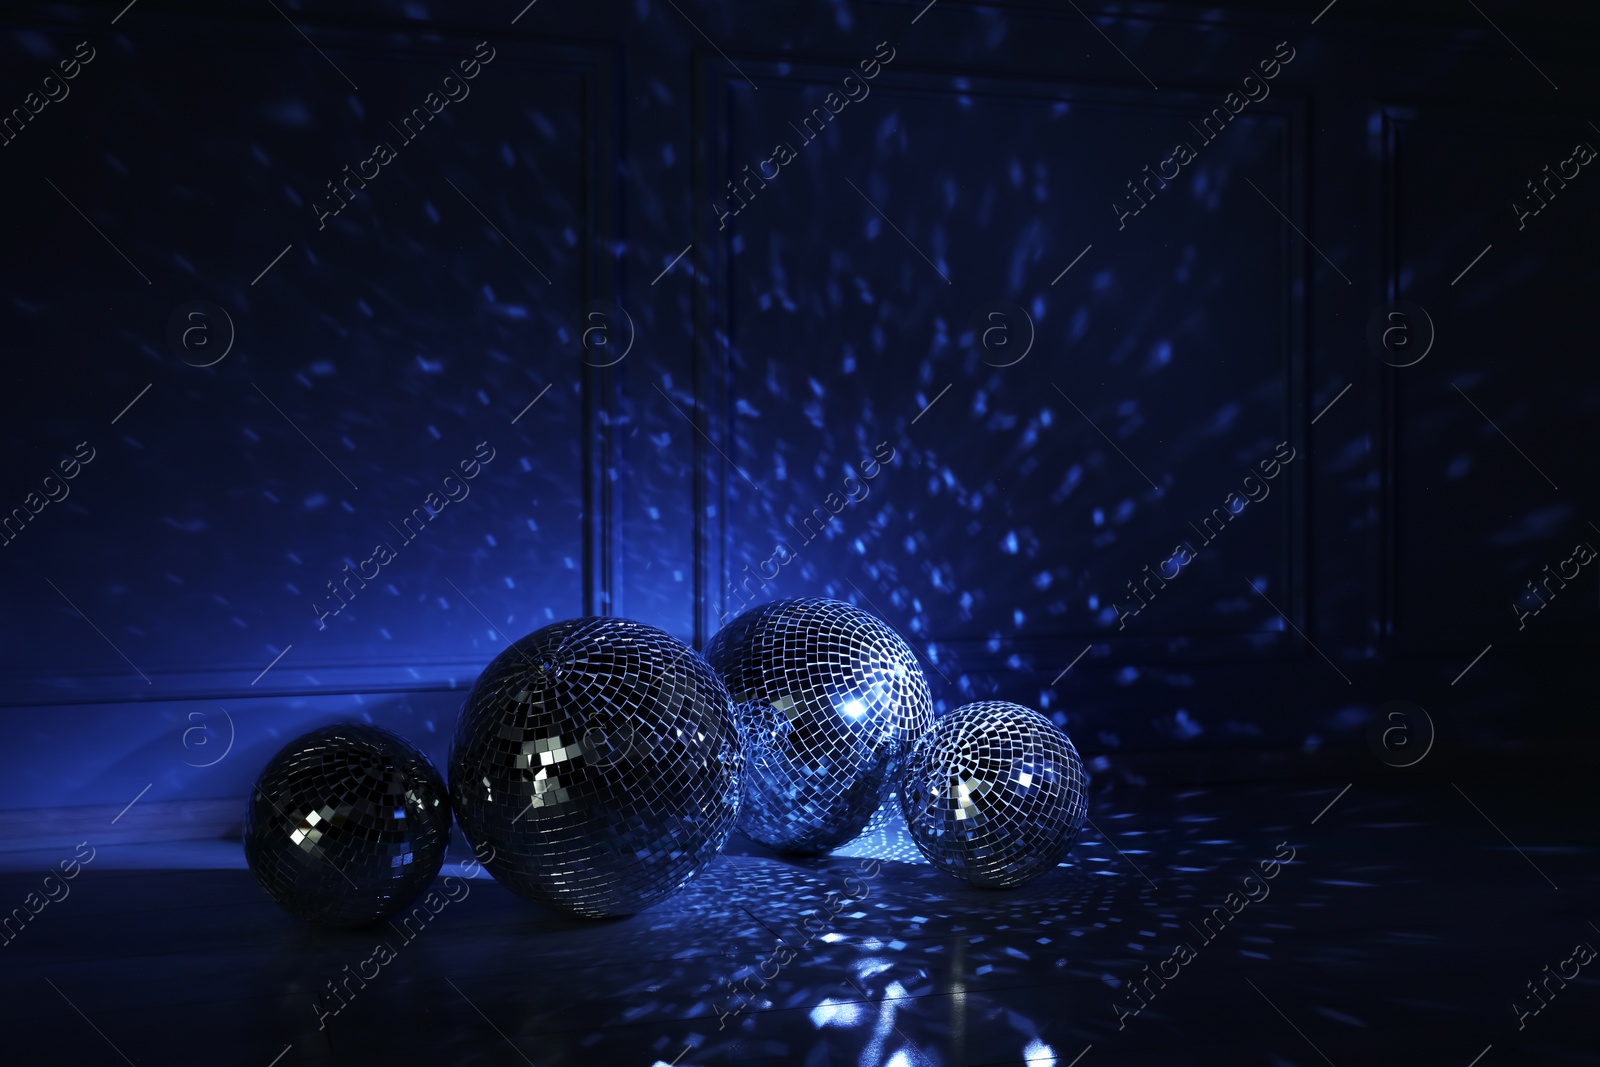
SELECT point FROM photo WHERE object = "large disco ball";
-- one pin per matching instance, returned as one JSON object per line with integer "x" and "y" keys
{"x": 994, "y": 794}
{"x": 596, "y": 766}
{"x": 346, "y": 825}
{"x": 829, "y": 700}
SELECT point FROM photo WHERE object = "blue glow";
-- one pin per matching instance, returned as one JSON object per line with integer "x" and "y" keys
{"x": 835, "y": 1013}
{"x": 1038, "y": 1054}
{"x": 871, "y": 966}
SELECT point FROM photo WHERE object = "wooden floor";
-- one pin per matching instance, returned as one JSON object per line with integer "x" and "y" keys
{"x": 1402, "y": 932}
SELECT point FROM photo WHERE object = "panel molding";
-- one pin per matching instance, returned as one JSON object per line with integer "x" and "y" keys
{"x": 597, "y": 65}
{"x": 1393, "y": 117}
{"x": 716, "y": 76}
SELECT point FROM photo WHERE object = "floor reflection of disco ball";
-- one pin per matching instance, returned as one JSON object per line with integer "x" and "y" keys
{"x": 347, "y": 825}
{"x": 994, "y": 794}
{"x": 829, "y": 701}
{"x": 596, "y": 767}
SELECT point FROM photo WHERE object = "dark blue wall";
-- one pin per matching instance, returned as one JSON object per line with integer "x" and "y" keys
{"x": 685, "y": 424}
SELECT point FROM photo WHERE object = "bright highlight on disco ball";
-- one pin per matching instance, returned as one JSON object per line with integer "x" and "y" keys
{"x": 994, "y": 794}
{"x": 829, "y": 700}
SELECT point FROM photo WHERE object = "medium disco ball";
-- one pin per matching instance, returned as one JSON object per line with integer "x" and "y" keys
{"x": 829, "y": 700}
{"x": 596, "y": 767}
{"x": 346, "y": 825}
{"x": 994, "y": 794}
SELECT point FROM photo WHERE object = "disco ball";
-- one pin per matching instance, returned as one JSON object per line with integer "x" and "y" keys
{"x": 829, "y": 700}
{"x": 994, "y": 794}
{"x": 596, "y": 768}
{"x": 346, "y": 825}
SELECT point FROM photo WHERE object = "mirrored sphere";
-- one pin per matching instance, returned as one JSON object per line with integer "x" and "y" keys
{"x": 595, "y": 766}
{"x": 829, "y": 700}
{"x": 346, "y": 825}
{"x": 994, "y": 794}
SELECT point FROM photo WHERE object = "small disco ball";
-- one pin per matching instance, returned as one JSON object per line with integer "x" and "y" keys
{"x": 596, "y": 767}
{"x": 829, "y": 700}
{"x": 994, "y": 794}
{"x": 346, "y": 825}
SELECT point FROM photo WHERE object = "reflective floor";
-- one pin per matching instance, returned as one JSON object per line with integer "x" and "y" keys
{"x": 1399, "y": 924}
